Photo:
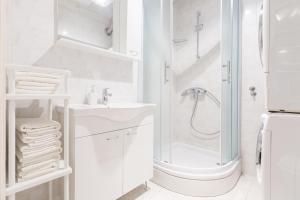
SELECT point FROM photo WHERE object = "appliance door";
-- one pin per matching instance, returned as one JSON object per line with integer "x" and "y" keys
{"x": 262, "y": 156}
{"x": 280, "y": 157}
{"x": 282, "y": 60}
{"x": 259, "y": 155}
{"x": 264, "y": 169}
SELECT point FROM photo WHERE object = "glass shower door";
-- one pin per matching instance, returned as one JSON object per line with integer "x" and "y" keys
{"x": 157, "y": 79}
{"x": 230, "y": 76}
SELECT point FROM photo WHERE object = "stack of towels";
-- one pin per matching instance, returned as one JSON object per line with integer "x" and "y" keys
{"x": 36, "y": 83}
{"x": 38, "y": 147}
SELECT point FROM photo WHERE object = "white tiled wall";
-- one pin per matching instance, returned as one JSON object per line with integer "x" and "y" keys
{"x": 192, "y": 72}
{"x": 252, "y": 75}
{"x": 30, "y": 41}
{"x": 89, "y": 69}
{"x": 30, "y": 30}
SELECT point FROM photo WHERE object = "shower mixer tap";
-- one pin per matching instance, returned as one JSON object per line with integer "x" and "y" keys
{"x": 195, "y": 91}
{"x": 253, "y": 92}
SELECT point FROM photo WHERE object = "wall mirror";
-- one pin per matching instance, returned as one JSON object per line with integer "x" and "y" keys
{"x": 92, "y": 22}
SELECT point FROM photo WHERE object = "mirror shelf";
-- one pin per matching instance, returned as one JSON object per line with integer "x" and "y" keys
{"x": 64, "y": 41}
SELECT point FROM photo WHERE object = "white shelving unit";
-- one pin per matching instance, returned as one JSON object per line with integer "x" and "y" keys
{"x": 11, "y": 98}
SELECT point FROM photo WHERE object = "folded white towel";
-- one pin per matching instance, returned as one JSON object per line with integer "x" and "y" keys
{"x": 33, "y": 146}
{"x": 36, "y": 141}
{"x": 34, "y": 166}
{"x": 41, "y": 151}
{"x": 37, "y": 74}
{"x": 50, "y": 156}
{"x": 35, "y": 89}
{"x": 35, "y": 84}
{"x": 35, "y": 174}
{"x": 53, "y": 134}
{"x": 32, "y": 156}
{"x": 22, "y": 91}
{"x": 26, "y": 151}
{"x": 36, "y": 124}
{"x": 37, "y": 79}
{"x": 40, "y": 132}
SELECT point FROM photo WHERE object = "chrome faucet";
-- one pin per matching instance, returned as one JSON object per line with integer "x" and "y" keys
{"x": 105, "y": 96}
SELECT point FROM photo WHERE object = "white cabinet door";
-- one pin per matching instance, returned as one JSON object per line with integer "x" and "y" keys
{"x": 138, "y": 156}
{"x": 134, "y": 27}
{"x": 98, "y": 166}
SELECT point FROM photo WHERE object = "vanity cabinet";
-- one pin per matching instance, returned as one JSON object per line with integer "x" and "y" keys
{"x": 138, "y": 156}
{"x": 98, "y": 166}
{"x": 109, "y": 165}
{"x": 111, "y": 150}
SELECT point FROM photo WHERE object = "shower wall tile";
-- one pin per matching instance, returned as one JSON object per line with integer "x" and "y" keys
{"x": 189, "y": 71}
{"x": 89, "y": 69}
{"x": 30, "y": 30}
{"x": 252, "y": 75}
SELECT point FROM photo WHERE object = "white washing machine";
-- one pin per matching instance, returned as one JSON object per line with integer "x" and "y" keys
{"x": 278, "y": 156}
{"x": 279, "y": 44}
{"x": 278, "y": 147}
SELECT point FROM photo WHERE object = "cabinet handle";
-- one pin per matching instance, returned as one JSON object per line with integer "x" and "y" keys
{"x": 112, "y": 138}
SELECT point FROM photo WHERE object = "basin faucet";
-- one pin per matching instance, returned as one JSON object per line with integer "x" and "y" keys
{"x": 105, "y": 95}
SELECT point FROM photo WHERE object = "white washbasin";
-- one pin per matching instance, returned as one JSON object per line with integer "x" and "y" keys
{"x": 95, "y": 119}
{"x": 109, "y": 106}
{"x": 118, "y": 112}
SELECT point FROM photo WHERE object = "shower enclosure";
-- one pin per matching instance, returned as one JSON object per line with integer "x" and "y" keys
{"x": 191, "y": 71}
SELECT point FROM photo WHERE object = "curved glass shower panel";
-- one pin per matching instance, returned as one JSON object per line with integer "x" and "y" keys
{"x": 156, "y": 63}
{"x": 230, "y": 80}
{"x": 191, "y": 73}
{"x": 197, "y": 85}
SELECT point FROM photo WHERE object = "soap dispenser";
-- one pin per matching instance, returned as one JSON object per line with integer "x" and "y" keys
{"x": 92, "y": 98}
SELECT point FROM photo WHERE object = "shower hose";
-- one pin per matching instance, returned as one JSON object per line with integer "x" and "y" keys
{"x": 201, "y": 134}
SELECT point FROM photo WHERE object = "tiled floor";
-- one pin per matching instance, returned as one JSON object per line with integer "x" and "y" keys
{"x": 246, "y": 189}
